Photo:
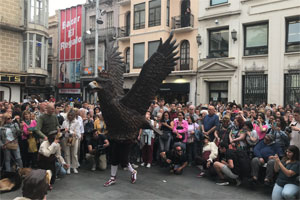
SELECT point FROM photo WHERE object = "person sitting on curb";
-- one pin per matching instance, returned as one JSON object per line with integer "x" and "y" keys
{"x": 176, "y": 159}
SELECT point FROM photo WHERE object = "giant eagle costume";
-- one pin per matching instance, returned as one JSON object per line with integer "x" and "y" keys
{"x": 123, "y": 114}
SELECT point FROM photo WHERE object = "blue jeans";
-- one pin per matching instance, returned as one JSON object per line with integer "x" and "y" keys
{"x": 289, "y": 191}
{"x": 60, "y": 170}
{"x": 8, "y": 157}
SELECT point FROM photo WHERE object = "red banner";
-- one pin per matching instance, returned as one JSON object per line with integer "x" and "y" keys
{"x": 70, "y": 33}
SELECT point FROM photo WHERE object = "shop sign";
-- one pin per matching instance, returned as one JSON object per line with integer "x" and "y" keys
{"x": 69, "y": 91}
{"x": 9, "y": 78}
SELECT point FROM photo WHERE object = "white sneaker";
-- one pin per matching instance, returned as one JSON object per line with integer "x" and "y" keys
{"x": 75, "y": 171}
{"x": 134, "y": 166}
{"x": 69, "y": 171}
{"x": 94, "y": 167}
{"x": 148, "y": 165}
{"x": 142, "y": 164}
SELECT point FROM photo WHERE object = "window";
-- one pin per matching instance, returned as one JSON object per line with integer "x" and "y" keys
{"x": 293, "y": 35}
{"x": 292, "y": 88}
{"x": 32, "y": 10}
{"x": 154, "y": 13}
{"x": 139, "y": 16}
{"x": 152, "y": 47}
{"x": 168, "y": 12}
{"x": 217, "y": 2}
{"x": 185, "y": 55}
{"x": 138, "y": 55}
{"x": 127, "y": 60}
{"x": 255, "y": 88}
{"x": 92, "y": 22}
{"x": 91, "y": 57}
{"x": 31, "y": 50}
{"x": 24, "y": 52}
{"x": 218, "y": 43}
{"x": 256, "y": 39}
{"x": 109, "y": 19}
{"x": 39, "y": 12}
{"x": 49, "y": 68}
{"x": 38, "y": 54}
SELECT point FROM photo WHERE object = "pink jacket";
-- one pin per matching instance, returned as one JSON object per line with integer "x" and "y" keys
{"x": 25, "y": 129}
{"x": 185, "y": 127}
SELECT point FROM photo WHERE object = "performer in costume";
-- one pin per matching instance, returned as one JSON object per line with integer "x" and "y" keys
{"x": 123, "y": 114}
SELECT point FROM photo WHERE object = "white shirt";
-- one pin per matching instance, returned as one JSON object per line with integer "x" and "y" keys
{"x": 81, "y": 124}
{"x": 46, "y": 150}
{"x": 74, "y": 127}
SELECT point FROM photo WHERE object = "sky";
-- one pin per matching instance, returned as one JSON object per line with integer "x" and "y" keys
{"x": 61, "y": 4}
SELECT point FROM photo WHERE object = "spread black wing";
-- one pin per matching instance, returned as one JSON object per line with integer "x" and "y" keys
{"x": 115, "y": 69}
{"x": 154, "y": 71}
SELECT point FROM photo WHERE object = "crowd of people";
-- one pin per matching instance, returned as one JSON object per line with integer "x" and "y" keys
{"x": 257, "y": 143}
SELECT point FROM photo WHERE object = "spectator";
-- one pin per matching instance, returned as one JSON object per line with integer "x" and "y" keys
{"x": 295, "y": 126}
{"x": 180, "y": 130}
{"x": 70, "y": 142}
{"x": 47, "y": 122}
{"x": 176, "y": 159}
{"x": 97, "y": 151}
{"x": 161, "y": 105}
{"x": 223, "y": 131}
{"x": 251, "y": 136}
{"x": 166, "y": 125}
{"x": 49, "y": 152}
{"x": 210, "y": 123}
{"x": 287, "y": 185}
{"x": 280, "y": 136}
{"x": 228, "y": 166}
{"x": 193, "y": 127}
{"x": 264, "y": 152}
{"x": 260, "y": 126}
{"x": 191, "y": 112}
{"x": 9, "y": 133}
{"x": 209, "y": 154}
{"x": 237, "y": 135}
{"x": 147, "y": 138}
{"x": 28, "y": 142}
{"x": 99, "y": 124}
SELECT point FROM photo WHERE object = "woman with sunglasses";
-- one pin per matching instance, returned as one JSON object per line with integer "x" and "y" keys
{"x": 287, "y": 185}
{"x": 9, "y": 133}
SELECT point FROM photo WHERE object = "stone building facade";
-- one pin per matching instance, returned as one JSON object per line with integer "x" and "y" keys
{"x": 24, "y": 49}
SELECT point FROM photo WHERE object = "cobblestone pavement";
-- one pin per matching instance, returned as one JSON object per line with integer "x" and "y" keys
{"x": 154, "y": 183}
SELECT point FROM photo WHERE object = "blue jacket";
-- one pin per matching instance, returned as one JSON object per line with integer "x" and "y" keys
{"x": 262, "y": 150}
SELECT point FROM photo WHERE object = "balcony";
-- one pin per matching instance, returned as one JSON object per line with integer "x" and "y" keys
{"x": 102, "y": 34}
{"x": 127, "y": 68}
{"x": 123, "y": 33}
{"x": 184, "y": 64}
{"x": 182, "y": 23}
{"x": 124, "y": 2}
{"x": 87, "y": 72}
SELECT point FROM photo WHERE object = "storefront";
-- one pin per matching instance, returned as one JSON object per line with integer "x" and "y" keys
{"x": 36, "y": 85}
{"x": 10, "y": 87}
{"x": 174, "y": 92}
{"x": 69, "y": 91}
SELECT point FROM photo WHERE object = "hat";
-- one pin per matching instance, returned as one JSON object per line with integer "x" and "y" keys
{"x": 271, "y": 137}
{"x": 35, "y": 185}
{"x": 203, "y": 111}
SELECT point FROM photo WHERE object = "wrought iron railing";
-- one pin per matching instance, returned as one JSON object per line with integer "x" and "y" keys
{"x": 182, "y": 21}
{"x": 123, "y": 31}
{"x": 184, "y": 64}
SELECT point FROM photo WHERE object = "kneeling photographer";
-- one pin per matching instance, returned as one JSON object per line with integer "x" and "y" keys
{"x": 97, "y": 151}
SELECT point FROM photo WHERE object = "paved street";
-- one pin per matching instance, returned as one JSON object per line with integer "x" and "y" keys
{"x": 150, "y": 185}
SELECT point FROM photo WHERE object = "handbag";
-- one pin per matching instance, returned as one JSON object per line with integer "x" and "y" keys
{"x": 13, "y": 145}
{"x": 71, "y": 140}
{"x": 32, "y": 145}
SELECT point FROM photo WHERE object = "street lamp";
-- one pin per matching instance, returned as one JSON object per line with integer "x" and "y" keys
{"x": 198, "y": 39}
{"x": 233, "y": 35}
